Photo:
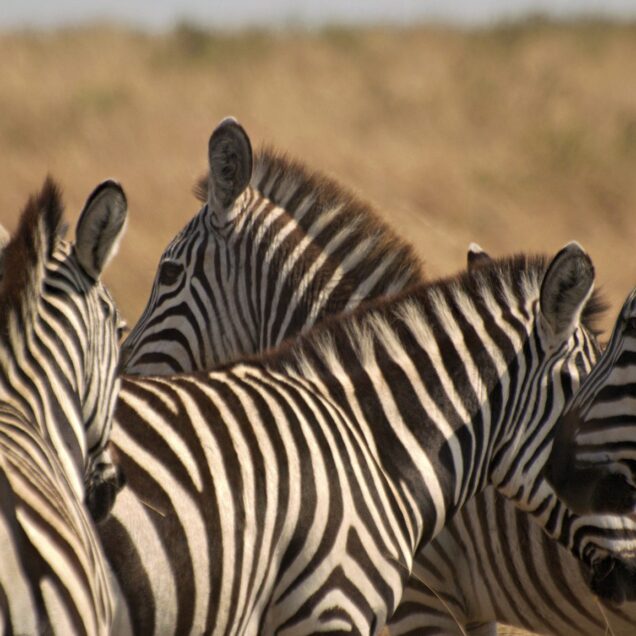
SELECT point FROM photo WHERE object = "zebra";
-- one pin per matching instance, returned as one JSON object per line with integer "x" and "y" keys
{"x": 592, "y": 460}
{"x": 289, "y": 493}
{"x": 59, "y": 345}
{"x": 281, "y": 249}
{"x": 459, "y": 581}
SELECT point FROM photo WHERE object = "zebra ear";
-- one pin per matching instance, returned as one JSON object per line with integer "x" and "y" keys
{"x": 230, "y": 158}
{"x": 476, "y": 257}
{"x": 100, "y": 227}
{"x": 567, "y": 284}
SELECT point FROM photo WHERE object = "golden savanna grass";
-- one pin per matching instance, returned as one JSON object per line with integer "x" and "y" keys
{"x": 519, "y": 137}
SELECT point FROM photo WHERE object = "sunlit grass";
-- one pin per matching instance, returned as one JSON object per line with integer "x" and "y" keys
{"x": 519, "y": 137}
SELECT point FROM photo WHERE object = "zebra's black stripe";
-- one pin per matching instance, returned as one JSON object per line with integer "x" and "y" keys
{"x": 236, "y": 439}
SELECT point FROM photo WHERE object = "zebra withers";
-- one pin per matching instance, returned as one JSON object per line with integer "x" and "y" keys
{"x": 593, "y": 460}
{"x": 59, "y": 332}
{"x": 291, "y": 493}
{"x": 474, "y": 573}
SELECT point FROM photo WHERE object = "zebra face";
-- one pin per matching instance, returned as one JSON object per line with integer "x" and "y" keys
{"x": 76, "y": 269}
{"x": 102, "y": 478}
{"x": 592, "y": 465}
{"x": 195, "y": 316}
{"x": 194, "y": 319}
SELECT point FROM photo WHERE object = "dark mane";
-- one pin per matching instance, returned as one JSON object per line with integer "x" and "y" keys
{"x": 30, "y": 247}
{"x": 519, "y": 266}
{"x": 500, "y": 276}
{"x": 275, "y": 176}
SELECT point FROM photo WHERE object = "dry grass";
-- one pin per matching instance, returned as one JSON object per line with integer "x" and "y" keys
{"x": 520, "y": 138}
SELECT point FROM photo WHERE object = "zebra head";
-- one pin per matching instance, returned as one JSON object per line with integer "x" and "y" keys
{"x": 53, "y": 306}
{"x": 592, "y": 465}
{"x": 562, "y": 349}
{"x": 182, "y": 299}
{"x": 274, "y": 249}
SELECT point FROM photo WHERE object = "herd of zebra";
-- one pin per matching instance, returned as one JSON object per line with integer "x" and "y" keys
{"x": 302, "y": 434}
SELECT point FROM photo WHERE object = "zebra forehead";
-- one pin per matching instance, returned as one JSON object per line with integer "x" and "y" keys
{"x": 29, "y": 249}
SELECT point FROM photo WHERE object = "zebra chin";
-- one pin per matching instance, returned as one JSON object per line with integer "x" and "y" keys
{"x": 613, "y": 580}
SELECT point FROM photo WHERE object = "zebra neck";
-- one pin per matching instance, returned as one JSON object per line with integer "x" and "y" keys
{"x": 435, "y": 384}
{"x": 40, "y": 381}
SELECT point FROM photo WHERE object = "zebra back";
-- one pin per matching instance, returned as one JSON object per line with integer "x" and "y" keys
{"x": 280, "y": 250}
{"x": 59, "y": 331}
{"x": 592, "y": 464}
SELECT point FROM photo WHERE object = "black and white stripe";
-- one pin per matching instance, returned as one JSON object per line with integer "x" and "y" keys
{"x": 59, "y": 332}
{"x": 593, "y": 460}
{"x": 291, "y": 248}
{"x": 290, "y": 494}
{"x": 544, "y": 589}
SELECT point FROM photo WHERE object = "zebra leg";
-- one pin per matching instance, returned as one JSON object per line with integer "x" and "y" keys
{"x": 105, "y": 480}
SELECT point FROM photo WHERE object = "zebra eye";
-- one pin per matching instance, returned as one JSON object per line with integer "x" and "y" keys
{"x": 169, "y": 273}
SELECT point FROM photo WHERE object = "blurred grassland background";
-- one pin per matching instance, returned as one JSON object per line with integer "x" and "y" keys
{"x": 520, "y": 136}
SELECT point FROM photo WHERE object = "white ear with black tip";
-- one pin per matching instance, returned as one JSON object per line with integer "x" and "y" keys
{"x": 566, "y": 287}
{"x": 230, "y": 158}
{"x": 100, "y": 227}
{"x": 476, "y": 257}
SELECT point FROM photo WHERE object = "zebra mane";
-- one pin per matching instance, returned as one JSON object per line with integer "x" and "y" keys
{"x": 26, "y": 254}
{"x": 288, "y": 183}
{"x": 514, "y": 272}
{"x": 518, "y": 276}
